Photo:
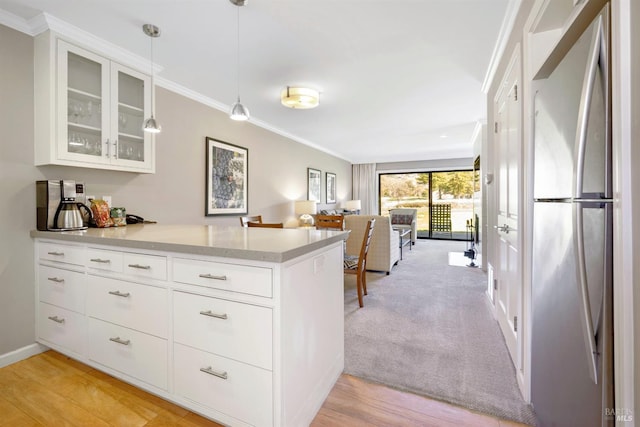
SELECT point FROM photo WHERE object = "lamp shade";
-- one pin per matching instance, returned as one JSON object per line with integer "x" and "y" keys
{"x": 353, "y": 205}
{"x": 305, "y": 207}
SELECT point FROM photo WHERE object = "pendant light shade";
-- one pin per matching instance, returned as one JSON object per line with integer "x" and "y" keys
{"x": 151, "y": 125}
{"x": 238, "y": 111}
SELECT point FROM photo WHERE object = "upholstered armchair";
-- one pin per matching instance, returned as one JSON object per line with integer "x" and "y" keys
{"x": 405, "y": 218}
{"x": 384, "y": 252}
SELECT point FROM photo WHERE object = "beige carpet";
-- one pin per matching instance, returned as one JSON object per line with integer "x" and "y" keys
{"x": 427, "y": 328}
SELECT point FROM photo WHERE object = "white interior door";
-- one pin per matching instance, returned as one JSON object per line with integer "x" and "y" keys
{"x": 508, "y": 187}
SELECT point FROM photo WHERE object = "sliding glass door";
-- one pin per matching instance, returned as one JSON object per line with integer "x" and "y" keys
{"x": 444, "y": 201}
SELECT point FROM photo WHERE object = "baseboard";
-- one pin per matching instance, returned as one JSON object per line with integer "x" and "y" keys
{"x": 21, "y": 354}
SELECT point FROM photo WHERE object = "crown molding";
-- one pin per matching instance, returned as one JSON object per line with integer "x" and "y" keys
{"x": 98, "y": 45}
{"x": 210, "y": 102}
{"x": 501, "y": 44}
{"x": 16, "y": 22}
{"x": 477, "y": 130}
{"x": 45, "y": 21}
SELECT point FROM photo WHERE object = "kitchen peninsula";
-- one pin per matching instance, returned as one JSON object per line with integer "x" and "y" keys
{"x": 243, "y": 325}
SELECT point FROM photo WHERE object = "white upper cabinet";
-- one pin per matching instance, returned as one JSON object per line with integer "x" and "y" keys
{"x": 554, "y": 26}
{"x": 90, "y": 109}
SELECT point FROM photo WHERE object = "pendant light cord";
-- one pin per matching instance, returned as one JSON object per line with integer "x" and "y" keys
{"x": 152, "y": 73}
{"x": 238, "y": 53}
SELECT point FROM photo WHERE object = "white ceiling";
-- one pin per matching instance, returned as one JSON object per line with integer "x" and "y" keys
{"x": 399, "y": 79}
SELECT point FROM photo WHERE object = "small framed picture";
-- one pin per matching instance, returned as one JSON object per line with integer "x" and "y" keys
{"x": 330, "y": 186}
{"x": 227, "y": 178}
{"x": 313, "y": 184}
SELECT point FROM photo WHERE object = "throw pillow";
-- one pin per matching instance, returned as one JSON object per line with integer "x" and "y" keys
{"x": 398, "y": 219}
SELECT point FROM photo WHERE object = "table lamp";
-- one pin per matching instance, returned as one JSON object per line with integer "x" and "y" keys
{"x": 304, "y": 209}
{"x": 353, "y": 206}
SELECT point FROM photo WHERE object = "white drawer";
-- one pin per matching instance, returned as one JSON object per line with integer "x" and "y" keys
{"x": 61, "y": 253}
{"x": 140, "y": 265}
{"x": 239, "y": 331}
{"x": 61, "y": 287}
{"x": 101, "y": 259}
{"x": 62, "y": 327}
{"x": 245, "y": 392}
{"x": 136, "y": 306}
{"x": 230, "y": 277}
{"x": 139, "y": 355}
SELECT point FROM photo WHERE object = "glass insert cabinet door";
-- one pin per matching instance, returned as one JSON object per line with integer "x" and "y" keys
{"x": 101, "y": 109}
{"x": 131, "y": 114}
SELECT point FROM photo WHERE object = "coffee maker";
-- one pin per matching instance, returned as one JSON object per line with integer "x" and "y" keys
{"x": 59, "y": 205}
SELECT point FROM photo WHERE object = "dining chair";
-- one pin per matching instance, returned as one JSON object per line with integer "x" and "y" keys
{"x": 265, "y": 224}
{"x": 245, "y": 219}
{"x": 330, "y": 222}
{"x": 358, "y": 265}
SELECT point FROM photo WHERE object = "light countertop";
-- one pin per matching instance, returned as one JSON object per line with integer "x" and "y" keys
{"x": 257, "y": 244}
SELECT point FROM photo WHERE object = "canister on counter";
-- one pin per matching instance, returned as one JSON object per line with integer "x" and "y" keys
{"x": 119, "y": 217}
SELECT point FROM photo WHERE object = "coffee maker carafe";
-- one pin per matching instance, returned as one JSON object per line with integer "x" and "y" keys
{"x": 57, "y": 206}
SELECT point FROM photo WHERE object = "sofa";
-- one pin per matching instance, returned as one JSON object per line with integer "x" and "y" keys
{"x": 405, "y": 218}
{"x": 384, "y": 249}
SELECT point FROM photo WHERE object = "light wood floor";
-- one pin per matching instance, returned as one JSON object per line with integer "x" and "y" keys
{"x": 52, "y": 390}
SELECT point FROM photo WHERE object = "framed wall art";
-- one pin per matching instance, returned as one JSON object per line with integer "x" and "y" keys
{"x": 330, "y": 186}
{"x": 314, "y": 177}
{"x": 227, "y": 167}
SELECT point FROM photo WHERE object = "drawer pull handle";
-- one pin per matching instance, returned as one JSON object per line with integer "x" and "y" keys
{"x": 56, "y": 319}
{"x": 216, "y": 315}
{"x": 212, "y": 276}
{"x": 55, "y": 253}
{"x": 55, "y": 279}
{"x": 101, "y": 261}
{"x": 119, "y": 341}
{"x": 209, "y": 370}
{"x": 120, "y": 294}
{"x": 141, "y": 267}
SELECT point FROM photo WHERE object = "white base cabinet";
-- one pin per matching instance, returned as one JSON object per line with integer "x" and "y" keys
{"x": 241, "y": 391}
{"x": 246, "y": 343}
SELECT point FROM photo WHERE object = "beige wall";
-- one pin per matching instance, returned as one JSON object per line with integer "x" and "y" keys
{"x": 17, "y": 192}
{"x": 174, "y": 194}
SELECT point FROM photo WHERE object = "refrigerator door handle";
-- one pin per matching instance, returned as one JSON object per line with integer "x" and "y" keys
{"x": 585, "y": 106}
{"x": 587, "y": 326}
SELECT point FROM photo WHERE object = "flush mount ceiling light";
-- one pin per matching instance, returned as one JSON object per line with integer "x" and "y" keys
{"x": 150, "y": 125}
{"x": 300, "y": 97}
{"x": 238, "y": 111}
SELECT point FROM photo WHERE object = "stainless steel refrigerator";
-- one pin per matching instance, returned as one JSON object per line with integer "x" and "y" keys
{"x": 571, "y": 329}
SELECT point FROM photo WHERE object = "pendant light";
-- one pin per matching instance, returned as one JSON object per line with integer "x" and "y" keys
{"x": 150, "y": 125}
{"x": 238, "y": 111}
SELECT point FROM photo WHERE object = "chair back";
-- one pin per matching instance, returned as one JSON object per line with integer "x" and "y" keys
{"x": 362, "y": 259}
{"x": 265, "y": 224}
{"x": 330, "y": 221}
{"x": 246, "y": 219}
